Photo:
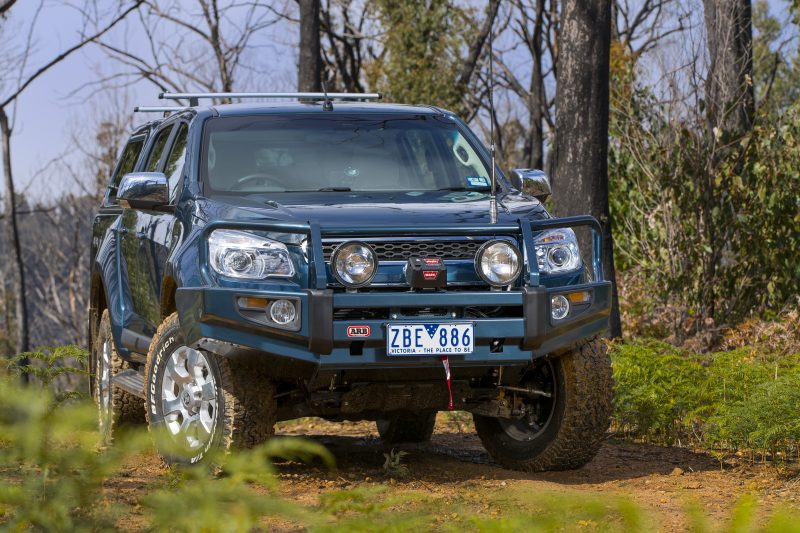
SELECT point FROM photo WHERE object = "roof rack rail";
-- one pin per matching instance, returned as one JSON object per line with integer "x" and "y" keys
{"x": 158, "y": 109}
{"x": 194, "y": 97}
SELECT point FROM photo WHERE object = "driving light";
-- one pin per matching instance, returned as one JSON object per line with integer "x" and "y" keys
{"x": 557, "y": 251}
{"x": 244, "y": 255}
{"x": 498, "y": 263}
{"x": 354, "y": 264}
{"x": 282, "y": 312}
{"x": 559, "y": 307}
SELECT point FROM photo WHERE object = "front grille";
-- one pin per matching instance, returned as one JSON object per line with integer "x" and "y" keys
{"x": 402, "y": 250}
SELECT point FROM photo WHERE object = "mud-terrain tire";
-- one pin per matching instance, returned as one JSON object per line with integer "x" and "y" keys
{"x": 230, "y": 405}
{"x": 115, "y": 406}
{"x": 407, "y": 428}
{"x": 578, "y": 421}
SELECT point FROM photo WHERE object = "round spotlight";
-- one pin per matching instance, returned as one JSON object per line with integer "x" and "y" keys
{"x": 354, "y": 264}
{"x": 282, "y": 312}
{"x": 559, "y": 307}
{"x": 498, "y": 263}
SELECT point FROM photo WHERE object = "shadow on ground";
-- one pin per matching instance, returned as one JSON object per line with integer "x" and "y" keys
{"x": 460, "y": 457}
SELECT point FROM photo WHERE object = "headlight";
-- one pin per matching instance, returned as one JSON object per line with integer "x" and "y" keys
{"x": 557, "y": 251}
{"x": 498, "y": 263}
{"x": 354, "y": 264}
{"x": 243, "y": 255}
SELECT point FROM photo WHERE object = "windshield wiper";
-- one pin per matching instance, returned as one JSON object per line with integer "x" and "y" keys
{"x": 334, "y": 189}
{"x": 463, "y": 189}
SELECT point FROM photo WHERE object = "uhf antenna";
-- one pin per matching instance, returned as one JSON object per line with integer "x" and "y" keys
{"x": 493, "y": 197}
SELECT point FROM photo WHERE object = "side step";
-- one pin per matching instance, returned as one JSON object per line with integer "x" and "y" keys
{"x": 131, "y": 381}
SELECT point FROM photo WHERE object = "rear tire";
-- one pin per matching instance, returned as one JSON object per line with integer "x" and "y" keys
{"x": 407, "y": 427}
{"x": 115, "y": 406}
{"x": 568, "y": 428}
{"x": 199, "y": 402}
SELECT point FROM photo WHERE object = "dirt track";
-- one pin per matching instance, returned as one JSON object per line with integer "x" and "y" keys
{"x": 663, "y": 481}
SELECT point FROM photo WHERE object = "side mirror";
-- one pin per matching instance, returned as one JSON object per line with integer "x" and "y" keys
{"x": 531, "y": 181}
{"x": 143, "y": 190}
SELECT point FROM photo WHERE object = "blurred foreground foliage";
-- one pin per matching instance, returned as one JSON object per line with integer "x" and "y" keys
{"x": 55, "y": 476}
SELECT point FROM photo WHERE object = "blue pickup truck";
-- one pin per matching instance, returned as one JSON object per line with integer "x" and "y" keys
{"x": 346, "y": 259}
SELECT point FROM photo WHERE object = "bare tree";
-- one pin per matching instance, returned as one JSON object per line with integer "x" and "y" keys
{"x": 6, "y": 129}
{"x": 5, "y": 5}
{"x": 529, "y": 29}
{"x": 730, "y": 99}
{"x": 476, "y": 47}
{"x": 533, "y": 26}
{"x": 351, "y": 40}
{"x": 582, "y": 106}
{"x": 309, "y": 68}
{"x": 641, "y": 25}
{"x": 178, "y": 42}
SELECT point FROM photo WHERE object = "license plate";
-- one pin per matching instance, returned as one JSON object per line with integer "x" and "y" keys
{"x": 429, "y": 339}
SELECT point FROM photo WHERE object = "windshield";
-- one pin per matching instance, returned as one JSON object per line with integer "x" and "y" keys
{"x": 301, "y": 153}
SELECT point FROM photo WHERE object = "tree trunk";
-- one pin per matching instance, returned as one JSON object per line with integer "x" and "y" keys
{"x": 309, "y": 69}
{"x": 730, "y": 100}
{"x": 582, "y": 101}
{"x": 12, "y": 237}
{"x": 534, "y": 147}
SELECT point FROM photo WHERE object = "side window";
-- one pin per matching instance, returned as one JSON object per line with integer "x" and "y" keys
{"x": 176, "y": 159}
{"x": 125, "y": 165}
{"x": 157, "y": 150}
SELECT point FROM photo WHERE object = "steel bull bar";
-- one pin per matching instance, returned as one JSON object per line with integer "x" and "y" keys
{"x": 325, "y": 341}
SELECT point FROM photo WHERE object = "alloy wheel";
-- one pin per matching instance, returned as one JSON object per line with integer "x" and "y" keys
{"x": 189, "y": 398}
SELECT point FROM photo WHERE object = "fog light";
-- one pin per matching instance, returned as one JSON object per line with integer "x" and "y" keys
{"x": 559, "y": 307}
{"x": 282, "y": 312}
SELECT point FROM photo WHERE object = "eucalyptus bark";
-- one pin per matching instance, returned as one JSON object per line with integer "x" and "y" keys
{"x": 582, "y": 105}
{"x": 14, "y": 248}
{"x": 730, "y": 99}
{"x": 309, "y": 68}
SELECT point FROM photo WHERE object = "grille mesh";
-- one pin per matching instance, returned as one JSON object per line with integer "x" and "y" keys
{"x": 402, "y": 250}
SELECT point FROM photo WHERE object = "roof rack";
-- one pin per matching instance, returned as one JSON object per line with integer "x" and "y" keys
{"x": 194, "y": 97}
{"x": 158, "y": 109}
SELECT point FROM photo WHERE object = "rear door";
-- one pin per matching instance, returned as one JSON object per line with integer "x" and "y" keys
{"x": 105, "y": 228}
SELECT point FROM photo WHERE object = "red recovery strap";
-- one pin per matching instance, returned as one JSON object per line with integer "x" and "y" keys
{"x": 446, "y": 365}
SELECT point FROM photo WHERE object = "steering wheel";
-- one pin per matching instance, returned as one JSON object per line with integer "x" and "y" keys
{"x": 241, "y": 182}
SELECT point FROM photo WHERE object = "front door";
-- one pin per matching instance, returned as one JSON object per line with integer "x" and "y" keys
{"x": 147, "y": 237}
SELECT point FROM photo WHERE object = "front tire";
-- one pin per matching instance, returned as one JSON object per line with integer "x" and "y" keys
{"x": 407, "y": 428}
{"x": 115, "y": 406}
{"x": 199, "y": 402}
{"x": 562, "y": 431}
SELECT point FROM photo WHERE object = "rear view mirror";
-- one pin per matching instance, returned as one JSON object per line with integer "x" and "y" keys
{"x": 143, "y": 190}
{"x": 531, "y": 181}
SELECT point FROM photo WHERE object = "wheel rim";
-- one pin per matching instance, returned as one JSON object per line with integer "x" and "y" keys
{"x": 539, "y": 409}
{"x": 189, "y": 398}
{"x": 104, "y": 384}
